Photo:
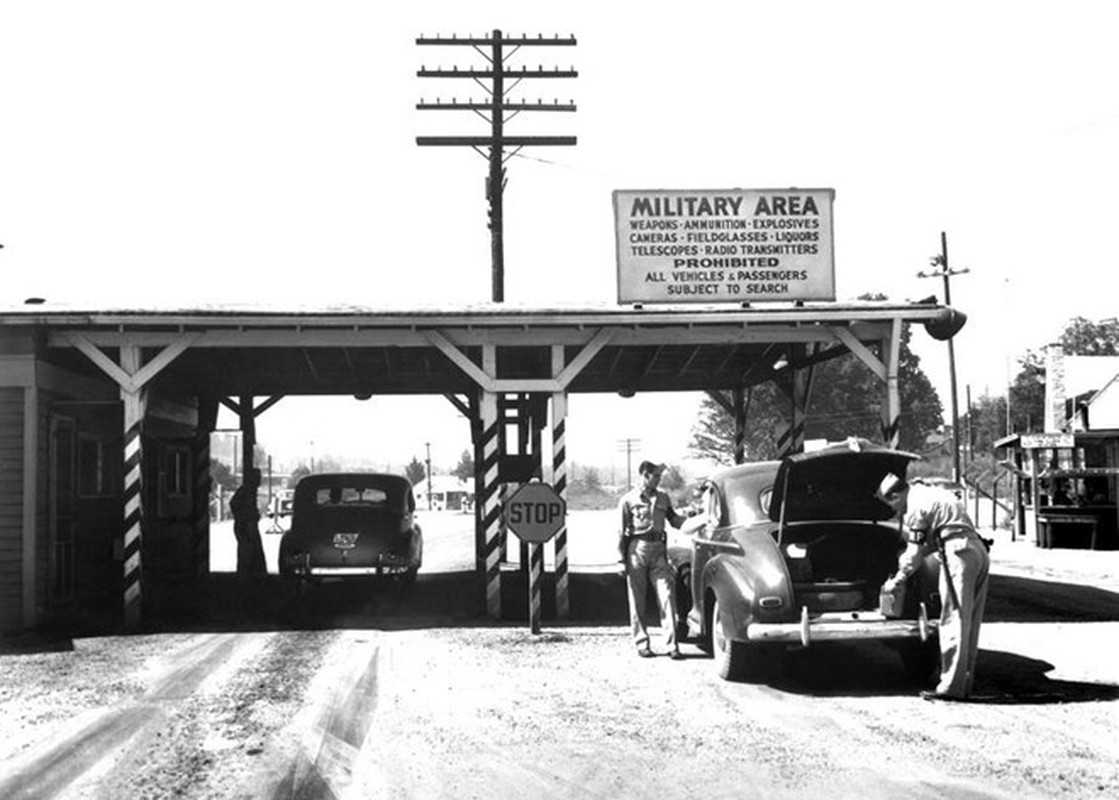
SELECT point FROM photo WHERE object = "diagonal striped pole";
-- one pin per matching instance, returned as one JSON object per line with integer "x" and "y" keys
{"x": 798, "y": 388}
{"x": 133, "y": 509}
{"x": 559, "y": 483}
{"x": 490, "y": 504}
{"x": 535, "y": 572}
{"x": 135, "y": 402}
{"x": 739, "y": 399}
{"x": 891, "y": 407}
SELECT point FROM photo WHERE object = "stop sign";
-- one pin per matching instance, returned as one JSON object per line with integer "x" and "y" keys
{"x": 535, "y": 512}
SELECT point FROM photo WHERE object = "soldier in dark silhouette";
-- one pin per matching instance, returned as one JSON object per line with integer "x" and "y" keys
{"x": 246, "y": 519}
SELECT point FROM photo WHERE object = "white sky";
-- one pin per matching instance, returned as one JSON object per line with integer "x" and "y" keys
{"x": 204, "y": 152}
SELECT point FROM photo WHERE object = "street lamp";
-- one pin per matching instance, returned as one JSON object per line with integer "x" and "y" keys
{"x": 941, "y": 270}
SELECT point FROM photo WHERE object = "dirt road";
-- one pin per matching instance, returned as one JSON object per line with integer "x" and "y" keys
{"x": 360, "y": 696}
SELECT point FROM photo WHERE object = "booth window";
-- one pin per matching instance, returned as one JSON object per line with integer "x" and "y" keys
{"x": 93, "y": 472}
{"x": 176, "y": 479}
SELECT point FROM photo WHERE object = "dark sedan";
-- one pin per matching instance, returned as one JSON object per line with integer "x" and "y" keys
{"x": 794, "y": 552}
{"x": 350, "y": 526}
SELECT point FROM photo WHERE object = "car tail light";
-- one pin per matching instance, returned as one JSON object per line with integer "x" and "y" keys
{"x": 770, "y": 602}
{"x": 406, "y": 523}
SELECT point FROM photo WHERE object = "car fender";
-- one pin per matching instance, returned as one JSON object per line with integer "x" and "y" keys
{"x": 741, "y": 580}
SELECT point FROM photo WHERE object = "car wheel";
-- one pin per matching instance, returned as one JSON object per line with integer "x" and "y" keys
{"x": 730, "y": 656}
{"x": 921, "y": 660}
{"x": 739, "y": 661}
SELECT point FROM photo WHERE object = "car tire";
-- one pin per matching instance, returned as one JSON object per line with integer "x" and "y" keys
{"x": 739, "y": 661}
{"x": 730, "y": 656}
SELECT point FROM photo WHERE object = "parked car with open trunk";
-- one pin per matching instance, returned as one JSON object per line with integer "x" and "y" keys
{"x": 794, "y": 553}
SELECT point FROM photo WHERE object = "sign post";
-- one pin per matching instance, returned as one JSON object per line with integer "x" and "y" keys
{"x": 535, "y": 512}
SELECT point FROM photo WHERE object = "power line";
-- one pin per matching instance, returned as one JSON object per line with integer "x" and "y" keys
{"x": 492, "y": 78}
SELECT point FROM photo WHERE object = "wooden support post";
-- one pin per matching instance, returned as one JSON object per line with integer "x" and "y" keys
{"x": 203, "y": 485}
{"x": 891, "y": 398}
{"x": 490, "y": 503}
{"x": 559, "y": 483}
{"x": 135, "y": 402}
{"x": 739, "y": 425}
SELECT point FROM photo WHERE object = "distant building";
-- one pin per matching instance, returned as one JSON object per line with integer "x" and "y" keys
{"x": 1068, "y": 475}
{"x": 447, "y": 493}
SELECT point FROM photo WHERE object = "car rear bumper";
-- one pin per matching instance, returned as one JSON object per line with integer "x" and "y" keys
{"x": 842, "y": 626}
{"x": 353, "y": 572}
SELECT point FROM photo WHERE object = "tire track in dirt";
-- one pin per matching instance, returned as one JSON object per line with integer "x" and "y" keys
{"x": 48, "y": 772}
{"x": 322, "y": 767}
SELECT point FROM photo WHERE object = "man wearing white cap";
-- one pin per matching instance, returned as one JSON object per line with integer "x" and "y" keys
{"x": 645, "y": 510}
{"x": 935, "y": 520}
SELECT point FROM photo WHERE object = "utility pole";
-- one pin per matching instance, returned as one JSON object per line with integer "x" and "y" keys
{"x": 497, "y": 111}
{"x": 428, "y": 462}
{"x": 940, "y": 263}
{"x": 629, "y": 445}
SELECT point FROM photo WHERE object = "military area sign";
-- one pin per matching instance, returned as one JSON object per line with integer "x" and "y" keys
{"x": 535, "y": 512}
{"x": 724, "y": 246}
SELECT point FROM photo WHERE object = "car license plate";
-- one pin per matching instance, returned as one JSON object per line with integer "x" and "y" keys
{"x": 345, "y": 541}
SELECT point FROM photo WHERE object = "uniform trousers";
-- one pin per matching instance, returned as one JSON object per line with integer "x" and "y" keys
{"x": 967, "y": 563}
{"x": 647, "y": 565}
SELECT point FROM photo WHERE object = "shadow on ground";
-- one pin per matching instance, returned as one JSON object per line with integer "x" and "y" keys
{"x": 874, "y": 670}
{"x": 1014, "y": 599}
{"x": 451, "y": 599}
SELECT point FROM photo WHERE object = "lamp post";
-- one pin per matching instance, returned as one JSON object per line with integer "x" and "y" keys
{"x": 940, "y": 263}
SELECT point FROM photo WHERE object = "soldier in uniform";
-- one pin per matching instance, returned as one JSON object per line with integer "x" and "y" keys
{"x": 934, "y": 519}
{"x": 246, "y": 519}
{"x": 644, "y": 511}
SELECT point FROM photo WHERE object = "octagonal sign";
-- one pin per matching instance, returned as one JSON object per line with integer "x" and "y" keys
{"x": 535, "y": 512}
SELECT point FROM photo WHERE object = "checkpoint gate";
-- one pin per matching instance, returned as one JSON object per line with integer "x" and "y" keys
{"x": 168, "y": 370}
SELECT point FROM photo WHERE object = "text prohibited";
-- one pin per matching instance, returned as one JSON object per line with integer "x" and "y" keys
{"x": 724, "y": 246}
{"x": 535, "y": 512}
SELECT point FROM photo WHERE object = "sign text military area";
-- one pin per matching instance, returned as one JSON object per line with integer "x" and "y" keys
{"x": 736, "y": 245}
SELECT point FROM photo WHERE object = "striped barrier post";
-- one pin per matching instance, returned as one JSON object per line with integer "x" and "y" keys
{"x": 559, "y": 483}
{"x": 891, "y": 407}
{"x": 490, "y": 504}
{"x": 791, "y": 440}
{"x": 535, "y": 570}
{"x": 133, "y": 509}
{"x": 739, "y": 426}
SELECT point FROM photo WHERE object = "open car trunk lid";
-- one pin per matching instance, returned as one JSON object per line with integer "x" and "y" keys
{"x": 836, "y": 482}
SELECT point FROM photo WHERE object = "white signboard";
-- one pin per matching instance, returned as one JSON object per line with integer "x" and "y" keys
{"x": 1034, "y": 441}
{"x": 730, "y": 246}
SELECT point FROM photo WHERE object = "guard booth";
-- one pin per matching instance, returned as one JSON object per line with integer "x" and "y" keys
{"x": 1067, "y": 484}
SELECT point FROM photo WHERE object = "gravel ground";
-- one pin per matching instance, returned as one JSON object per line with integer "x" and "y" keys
{"x": 358, "y": 705}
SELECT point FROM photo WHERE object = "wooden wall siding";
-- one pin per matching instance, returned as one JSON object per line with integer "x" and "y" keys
{"x": 11, "y": 507}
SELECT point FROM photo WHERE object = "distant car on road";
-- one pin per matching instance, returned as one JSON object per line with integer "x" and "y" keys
{"x": 352, "y": 526}
{"x": 795, "y": 552}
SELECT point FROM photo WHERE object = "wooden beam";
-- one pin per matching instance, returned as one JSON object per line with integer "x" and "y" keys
{"x": 864, "y": 353}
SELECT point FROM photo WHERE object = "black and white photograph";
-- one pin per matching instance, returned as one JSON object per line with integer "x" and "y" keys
{"x": 559, "y": 400}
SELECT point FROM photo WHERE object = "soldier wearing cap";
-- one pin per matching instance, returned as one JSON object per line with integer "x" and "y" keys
{"x": 644, "y": 510}
{"x": 935, "y": 520}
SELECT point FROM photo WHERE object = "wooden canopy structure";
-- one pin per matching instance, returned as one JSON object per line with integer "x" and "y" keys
{"x": 167, "y": 370}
